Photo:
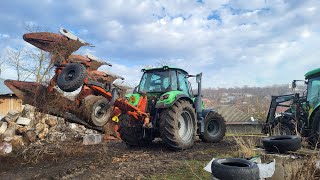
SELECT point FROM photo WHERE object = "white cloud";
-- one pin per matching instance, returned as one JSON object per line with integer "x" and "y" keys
{"x": 233, "y": 43}
{"x": 306, "y": 34}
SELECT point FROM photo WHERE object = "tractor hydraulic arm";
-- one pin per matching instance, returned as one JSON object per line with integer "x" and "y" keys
{"x": 122, "y": 104}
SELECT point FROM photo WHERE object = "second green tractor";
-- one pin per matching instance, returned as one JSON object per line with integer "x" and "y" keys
{"x": 302, "y": 114}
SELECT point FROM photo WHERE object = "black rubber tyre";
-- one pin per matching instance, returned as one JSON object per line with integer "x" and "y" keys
{"x": 72, "y": 77}
{"x": 178, "y": 125}
{"x": 281, "y": 143}
{"x": 214, "y": 128}
{"x": 314, "y": 138}
{"x": 234, "y": 169}
{"x": 132, "y": 132}
{"x": 92, "y": 105}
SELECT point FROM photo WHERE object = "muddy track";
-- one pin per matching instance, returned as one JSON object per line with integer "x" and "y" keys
{"x": 113, "y": 160}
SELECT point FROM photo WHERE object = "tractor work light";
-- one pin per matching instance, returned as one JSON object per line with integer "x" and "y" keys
{"x": 166, "y": 96}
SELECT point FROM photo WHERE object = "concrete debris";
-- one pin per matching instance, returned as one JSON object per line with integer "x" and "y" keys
{"x": 3, "y": 127}
{"x": 43, "y": 134}
{"x": 17, "y": 141}
{"x": 21, "y": 130}
{"x": 28, "y": 111}
{"x": 56, "y": 136}
{"x": 31, "y": 136}
{"x": 23, "y": 121}
{"x": 52, "y": 122}
{"x": 40, "y": 127}
{"x": 91, "y": 139}
{"x": 5, "y": 147}
{"x": 18, "y": 130}
{"x": 10, "y": 132}
{"x": 78, "y": 128}
{"x": 12, "y": 116}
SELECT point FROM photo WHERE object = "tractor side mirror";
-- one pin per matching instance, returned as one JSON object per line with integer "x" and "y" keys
{"x": 135, "y": 90}
{"x": 198, "y": 78}
{"x": 293, "y": 85}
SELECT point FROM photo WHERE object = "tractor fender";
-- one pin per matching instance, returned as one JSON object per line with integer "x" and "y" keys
{"x": 206, "y": 112}
{"x": 178, "y": 97}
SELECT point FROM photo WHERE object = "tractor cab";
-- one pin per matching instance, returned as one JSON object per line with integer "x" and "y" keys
{"x": 313, "y": 93}
{"x": 163, "y": 80}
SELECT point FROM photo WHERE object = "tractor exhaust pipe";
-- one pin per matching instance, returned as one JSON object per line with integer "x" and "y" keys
{"x": 198, "y": 103}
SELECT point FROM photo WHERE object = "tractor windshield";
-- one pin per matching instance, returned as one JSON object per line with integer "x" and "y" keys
{"x": 313, "y": 95}
{"x": 158, "y": 81}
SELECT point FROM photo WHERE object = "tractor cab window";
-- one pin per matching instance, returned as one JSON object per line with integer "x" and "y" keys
{"x": 313, "y": 95}
{"x": 183, "y": 83}
{"x": 155, "y": 81}
{"x": 174, "y": 82}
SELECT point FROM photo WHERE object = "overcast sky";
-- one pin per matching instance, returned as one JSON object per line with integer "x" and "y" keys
{"x": 234, "y": 43}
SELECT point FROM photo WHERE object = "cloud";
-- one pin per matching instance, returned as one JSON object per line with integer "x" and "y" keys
{"x": 234, "y": 43}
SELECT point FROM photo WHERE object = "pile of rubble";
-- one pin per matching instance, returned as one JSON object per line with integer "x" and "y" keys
{"x": 20, "y": 129}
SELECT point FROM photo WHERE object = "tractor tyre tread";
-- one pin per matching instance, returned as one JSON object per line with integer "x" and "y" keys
{"x": 90, "y": 102}
{"x": 168, "y": 125}
{"x": 234, "y": 169}
{"x": 281, "y": 143}
{"x": 73, "y": 85}
{"x": 132, "y": 132}
{"x": 206, "y": 137}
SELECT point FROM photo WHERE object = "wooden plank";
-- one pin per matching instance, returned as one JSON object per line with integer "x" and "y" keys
{"x": 8, "y": 103}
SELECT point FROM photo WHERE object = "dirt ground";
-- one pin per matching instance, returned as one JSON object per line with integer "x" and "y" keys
{"x": 111, "y": 160}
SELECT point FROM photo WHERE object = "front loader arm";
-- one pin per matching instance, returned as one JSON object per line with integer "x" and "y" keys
{"x": 276, "y": 101}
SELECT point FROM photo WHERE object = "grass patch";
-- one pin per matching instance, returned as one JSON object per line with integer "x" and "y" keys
{"x": 190, "y": 169}
{"x": 307, "y": 169}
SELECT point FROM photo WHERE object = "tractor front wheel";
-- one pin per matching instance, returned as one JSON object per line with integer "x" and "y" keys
{"x": 178, "y": 125}
{"x": 132, "y": 132}
{"x": 214, "y": 128}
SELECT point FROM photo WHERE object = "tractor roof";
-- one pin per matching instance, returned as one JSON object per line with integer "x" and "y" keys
{"x": 163, "y": 68}
{"x": 312, "y": 73}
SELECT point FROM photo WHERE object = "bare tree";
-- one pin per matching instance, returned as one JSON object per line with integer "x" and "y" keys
{"x": 2, "y": 64}
{"x": 41, "y": 64}
{"x": 15, "y": 59}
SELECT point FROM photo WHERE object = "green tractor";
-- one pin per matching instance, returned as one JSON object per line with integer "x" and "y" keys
{"x": 177, "y": 115}
{"x": 303, "y": 111}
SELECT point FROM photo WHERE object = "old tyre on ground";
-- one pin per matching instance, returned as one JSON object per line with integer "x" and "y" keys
{"x": 234, "y": 169}
{"x": 132, "y": 132}
{"x": 71, "y": 77}
{"x": 93, "y": 115}
{"x": 178, "y": 125}
{"x": 214, "y": 128}
{"x": 281, "y": 143}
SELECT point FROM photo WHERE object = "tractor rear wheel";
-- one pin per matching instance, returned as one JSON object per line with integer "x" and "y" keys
{"x": 214, "y": 128}
{"x": 178, "y": 125}
{"x": 93, "y": 115}
{"x": 314, "y": 138}
{"x": 71, "y": 77}
{"x": 132, "y": 132}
